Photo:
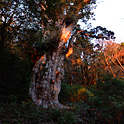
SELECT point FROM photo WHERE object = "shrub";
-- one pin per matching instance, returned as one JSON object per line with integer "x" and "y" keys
{"x": 67, "y": 92}
{"x": 105, "y": 103}
{"x": 69, "y": 118}
{"x": 62, "y": 117}
{"x": 74, "y": 93}
{"x": 108, "y": 99}
{"x": 55, "y": 115}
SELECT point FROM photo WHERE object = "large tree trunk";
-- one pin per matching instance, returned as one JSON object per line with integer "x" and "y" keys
{"x": 48, "y": 73}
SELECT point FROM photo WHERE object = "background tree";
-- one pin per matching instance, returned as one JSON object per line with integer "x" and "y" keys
{"x": 113, "y": 59}
{"x": 84, "y": 64}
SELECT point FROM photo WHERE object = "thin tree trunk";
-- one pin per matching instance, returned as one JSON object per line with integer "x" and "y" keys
{"x": 48, "y": 73}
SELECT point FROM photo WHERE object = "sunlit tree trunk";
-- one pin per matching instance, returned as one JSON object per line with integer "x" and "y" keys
{"x": 48, "y": 73}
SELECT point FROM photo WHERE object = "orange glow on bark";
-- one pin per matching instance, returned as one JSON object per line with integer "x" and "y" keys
{"x": 86, "y": 1}
{"x": 43, "y": 7}
{"x": 86, "y": 34}
{"x": 53, "y": 81}
{"x": 70, "y": 51}
{"x": 57, "y": 72}
{"x": 65, "y": 35}
{"x": 42, "y": 57}
{"x": 30, "y": 19}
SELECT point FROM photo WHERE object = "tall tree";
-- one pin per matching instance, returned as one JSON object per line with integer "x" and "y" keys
{"x": 58, "y": 21}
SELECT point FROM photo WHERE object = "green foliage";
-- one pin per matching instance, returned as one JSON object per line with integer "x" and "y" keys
{"x": 84, "y": 113}
{"x": 27, "y": 113}
{"x": 108, "y": 93}
{"x": 68, "y": 91}
{"x": 62, "y": 117}
{"x": 104, "y": 103}
{"x": 24, "y": 112}
{"x": 56, "y": 115}
{"x": 70, "y": 118}
{"x": 107, "y": 99}
{"x": 74, "y": 93}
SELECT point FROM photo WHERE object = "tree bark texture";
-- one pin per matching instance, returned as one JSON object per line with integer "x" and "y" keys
{"x": 48, "y": 73}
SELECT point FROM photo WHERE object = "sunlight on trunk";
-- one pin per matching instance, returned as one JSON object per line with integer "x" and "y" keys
{"x": 65, "y": 35}
{"x": 86, "y": 1}
{"x": 48, "y": 73}
{"x": 70, "y": 51}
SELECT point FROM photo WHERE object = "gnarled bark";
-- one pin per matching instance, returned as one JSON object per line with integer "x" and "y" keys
{"x": 48, "y": 73}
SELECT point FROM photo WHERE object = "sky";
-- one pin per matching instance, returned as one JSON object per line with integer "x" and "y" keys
{"x": 110, "y": 14}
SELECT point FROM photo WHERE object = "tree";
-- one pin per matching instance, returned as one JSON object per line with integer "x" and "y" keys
{"x": 114, "y": 58}
{"x": 16, "y": 22}
{"x": 59, "y": 19}
{"x": 55, "y": 21}
{"x": 83, "y": 66}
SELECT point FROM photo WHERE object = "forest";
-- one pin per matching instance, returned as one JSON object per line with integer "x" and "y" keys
{"x": 54, "y": 72}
